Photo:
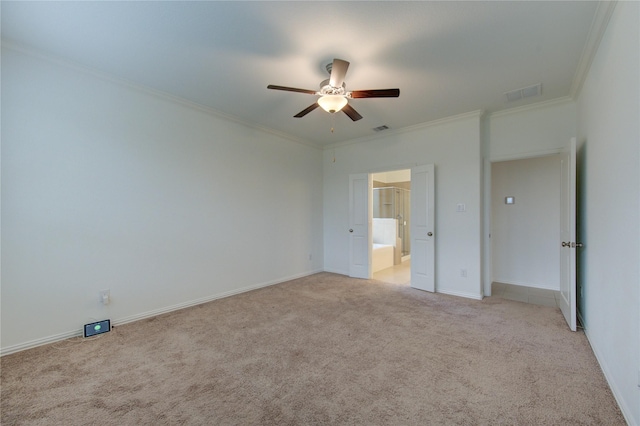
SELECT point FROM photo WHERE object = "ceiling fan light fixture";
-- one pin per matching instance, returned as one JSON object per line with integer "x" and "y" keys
{"x": 332, "y": 103}
{"x": 333, "y": 95}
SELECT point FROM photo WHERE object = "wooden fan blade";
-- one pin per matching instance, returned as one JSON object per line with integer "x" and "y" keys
{"x": 352, "y": 113}
{"x": 307, "y": 110}
{"x": 291, "y": 89}
{"x": 380, "y": 93}
{"x": 338, "y": 72}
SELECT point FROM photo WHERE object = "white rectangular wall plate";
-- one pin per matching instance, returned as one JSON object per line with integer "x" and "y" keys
{"x": 105, "y": 296}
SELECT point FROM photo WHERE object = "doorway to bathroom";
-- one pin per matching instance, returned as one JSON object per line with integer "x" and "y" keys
{"x": 421, "y": 225}
{"x": 391, "y": 226}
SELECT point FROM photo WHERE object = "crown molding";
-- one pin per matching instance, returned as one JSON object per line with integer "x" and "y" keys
{"x": 394, "y": 132}
{"x": 7, "y": 44}
{"x": 596, "y": 32}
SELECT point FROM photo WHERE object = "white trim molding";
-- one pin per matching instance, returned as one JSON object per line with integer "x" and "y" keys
{"x": 596, "y": 32}
{"x": 149, "y": 314}
{"x": 473, "y": 114}
{"x": 626, "y": 411}
{"x": 461, "y": 294}
{"x": 152, "y": 92}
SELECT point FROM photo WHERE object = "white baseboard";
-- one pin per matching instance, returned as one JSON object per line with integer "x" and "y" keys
{"x": 149, "y": 314}
{"x": 460, "y": 294}
{"x": 524, "y": 284}
{"x": 211, "y": 298}
{"x": 336, "y": 271}
{"x": 626, "y": 411}
{"x": 39, "y": 342}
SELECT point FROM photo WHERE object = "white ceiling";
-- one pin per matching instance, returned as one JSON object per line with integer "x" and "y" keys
{"x": 447, "y": 58}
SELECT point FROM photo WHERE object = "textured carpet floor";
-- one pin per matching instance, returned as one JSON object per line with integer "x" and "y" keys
{"x": 324, "y": 349}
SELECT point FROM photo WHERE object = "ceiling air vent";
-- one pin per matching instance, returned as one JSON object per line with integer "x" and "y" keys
{"x": 525, "y": 92}
{"x": 381, "y": 128}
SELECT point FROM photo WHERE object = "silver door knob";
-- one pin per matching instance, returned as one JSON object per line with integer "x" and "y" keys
{"x": 350, "y": 230}
{"x": 564, "y": 244}
{"x": 430, "y": 234}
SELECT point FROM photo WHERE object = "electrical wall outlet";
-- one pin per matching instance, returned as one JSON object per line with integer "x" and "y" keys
{"x": 105, "y": 296}
{"x": 463, "y": 273}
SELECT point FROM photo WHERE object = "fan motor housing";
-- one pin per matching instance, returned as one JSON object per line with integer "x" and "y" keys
{"x": 328, "y": 89}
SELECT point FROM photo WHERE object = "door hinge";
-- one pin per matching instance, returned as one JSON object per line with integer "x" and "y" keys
{"x": 572, "y": 244}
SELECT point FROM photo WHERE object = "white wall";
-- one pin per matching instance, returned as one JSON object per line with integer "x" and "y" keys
{"x": 609, "y": 107}
{"x": 453, "y": 146}
{"x": 105, "y": 185}
{"x": 532, "y": 131}
{"x": 526, "y": 249}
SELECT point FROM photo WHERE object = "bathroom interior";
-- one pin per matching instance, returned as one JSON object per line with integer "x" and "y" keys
{"x": 391, "y": 252}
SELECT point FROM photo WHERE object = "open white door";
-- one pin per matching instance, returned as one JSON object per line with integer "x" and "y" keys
{"x": 360, "y": 212}
{"x": 422, "y": 228}
{"x": 568, "y": 235}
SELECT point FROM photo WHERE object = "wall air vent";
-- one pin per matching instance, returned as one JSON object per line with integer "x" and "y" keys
{"x": 525, "y": 92}
{"x": 381, "y": 128}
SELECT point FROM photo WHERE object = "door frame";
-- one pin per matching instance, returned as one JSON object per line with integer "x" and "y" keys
{"x": 360, "y": 272}
{"x": 488, "y": 213}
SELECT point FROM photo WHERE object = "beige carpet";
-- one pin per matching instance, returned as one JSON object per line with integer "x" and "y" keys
{"x": 321, "y": 350}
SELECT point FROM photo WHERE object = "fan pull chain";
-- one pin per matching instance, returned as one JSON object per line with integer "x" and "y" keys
{"x": 333, "y": 121}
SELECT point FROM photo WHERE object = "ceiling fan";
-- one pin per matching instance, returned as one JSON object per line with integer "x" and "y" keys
{"x": 333, "y": 96}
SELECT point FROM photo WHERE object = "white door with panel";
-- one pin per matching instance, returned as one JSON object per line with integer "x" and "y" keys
{"x": 360, "y": 214}
{"x": 568, "y": 243}
{"x": 422, "y": 228}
